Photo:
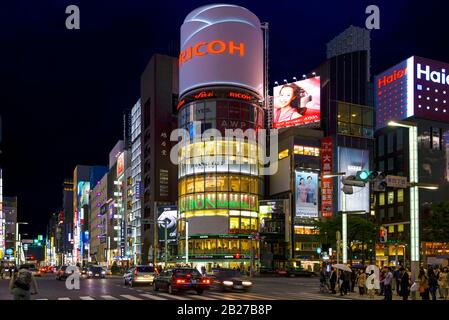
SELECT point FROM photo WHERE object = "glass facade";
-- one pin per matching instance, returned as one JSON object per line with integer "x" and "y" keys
{"x": 219, "y": 180}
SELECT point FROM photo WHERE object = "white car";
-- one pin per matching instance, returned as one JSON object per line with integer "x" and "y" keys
{"x": 139, "y": 274}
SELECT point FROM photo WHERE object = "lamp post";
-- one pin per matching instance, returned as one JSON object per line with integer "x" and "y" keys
{"x": 18, "y": 243}
{"x": 414, "y": 195}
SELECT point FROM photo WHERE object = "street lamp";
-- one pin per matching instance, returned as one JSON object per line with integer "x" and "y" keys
{"x": 333, "y": 175}
{"x": 18, "y": 242}
{"x": 187, "y": 238}
{"x": 344, "y": 227}
{"x": 414, "y": 195}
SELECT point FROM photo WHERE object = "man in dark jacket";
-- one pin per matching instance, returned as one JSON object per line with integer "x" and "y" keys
{"x": 405, "y": 280}
{"x": 333, "y": 280}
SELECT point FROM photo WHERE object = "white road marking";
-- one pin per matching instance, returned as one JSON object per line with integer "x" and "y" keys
{"x": 130, "y": 297}
{"x": 220, "y": 296}
{"x": 203, "y": 297}
{"x": 41, "y": 299}
{"x": 152, "y": 296}
{"x": 86, "y": 298}
{"x": 65, "y": 298}
{"x": 107, "y": 297}
{"x": 174, "y": 296}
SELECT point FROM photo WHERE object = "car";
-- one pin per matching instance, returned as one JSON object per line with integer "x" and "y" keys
{"x": 229, "y": 280}
{"x": 140, "y": 274}
{"x": 295, "y": 272}
{"x": 63, "y": 273}
{"x": 84, "y": 272}
{"x": 181, "y": 279}
{"x": 35, "y": 271}
{"x": 95, "y": 272}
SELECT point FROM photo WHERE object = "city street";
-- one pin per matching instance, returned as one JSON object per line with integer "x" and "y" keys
{"x": 113, "y": 288}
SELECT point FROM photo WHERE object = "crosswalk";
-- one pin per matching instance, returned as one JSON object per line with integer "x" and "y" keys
{"x": 206, "y": 296}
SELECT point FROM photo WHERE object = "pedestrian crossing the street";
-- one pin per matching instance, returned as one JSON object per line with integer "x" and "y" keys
{"x": 206, "y": 296}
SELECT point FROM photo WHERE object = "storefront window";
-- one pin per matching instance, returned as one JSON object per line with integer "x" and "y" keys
{"x": 254, "y": 224}
{"x": 245, "y": 224}
{"x": 382, "y": 199}
{"x": 199, "y": 184}
{"x": 390, "y": 197}
{"x": 233, "y": 225}
{"x": 245, "y": 248}
{"x": 234, "y": 182}
{"x": 211, "y": 183}
{"x": 222, "y": 183}
{"x": 283, "y": 154}
{"x": 401, "y": 195}
{"x": 190, "y": 185}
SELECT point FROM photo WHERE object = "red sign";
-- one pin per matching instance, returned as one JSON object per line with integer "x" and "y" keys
{"x": 387, "y": 79}
{"x": 327, "y": 207}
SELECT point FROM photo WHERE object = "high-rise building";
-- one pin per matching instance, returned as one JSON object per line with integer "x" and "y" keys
{"x": 67, "y": 226}
{"x": 136, "y": 162}
{"x": 99, "y": 222}
{"x": 416, "y": 92}
{"x": 83, "y": 178}
{"x": 221, "y": 77}
{"x": 159, "y": 96}
{"x": 2, "y": 220}
{"x": 10, "y": 214}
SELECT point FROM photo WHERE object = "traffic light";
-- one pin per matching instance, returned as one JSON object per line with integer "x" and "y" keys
{"x": 379, "y": 181}
{"x": 349, "y": 182}
{"x": 382, "y": 235}
{"x": 363, "y": 175}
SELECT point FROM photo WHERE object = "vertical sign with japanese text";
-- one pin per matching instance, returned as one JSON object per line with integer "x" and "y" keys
{"x": 326, "y": 183}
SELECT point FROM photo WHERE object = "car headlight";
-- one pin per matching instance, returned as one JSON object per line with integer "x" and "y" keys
{"x": 90, "y": 272}
{"x": 103, "y": 272}
{"x": 247, "y": 283}
{"x": 228, "y": 283}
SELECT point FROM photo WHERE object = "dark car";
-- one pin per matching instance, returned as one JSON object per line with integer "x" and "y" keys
{"x": 96, "y": 272}
{"x": 63, "y": 273}
{"x": 295, "y": 272}
{"x": 181, "y": 279}
{"x": 229, "y": 279}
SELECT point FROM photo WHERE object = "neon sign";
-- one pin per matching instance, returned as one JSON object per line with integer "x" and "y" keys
{"x": 212, "y": 203}
{"x": 203, "y": 48}
{"x": 386, "y": 80}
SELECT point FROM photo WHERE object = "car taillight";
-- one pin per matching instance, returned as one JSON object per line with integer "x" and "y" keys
{"x": 206, "y": 281}
{"x": 178, "y": 281}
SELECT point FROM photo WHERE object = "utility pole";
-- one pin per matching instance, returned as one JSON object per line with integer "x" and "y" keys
{"x": 166, "y": 245}
{"x": 338, "y": 246}
{"x": 155, "y": 239}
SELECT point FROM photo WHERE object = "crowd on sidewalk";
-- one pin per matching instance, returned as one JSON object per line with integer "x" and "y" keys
{"x": 431, "y": 283}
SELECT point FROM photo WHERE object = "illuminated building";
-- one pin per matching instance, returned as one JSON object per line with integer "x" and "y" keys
{"x": 136, "y": 175}
{"x": 83, "y": 178}
{"x": 10, "y": 214}
{"x": 2, "y": 220}
{"x": 99, "y": 222}
{"x": 221, "y": 88}
{"x": 67, "y": 226}
{"x": 415, "y": 91}
{"x": 158, "y": 97}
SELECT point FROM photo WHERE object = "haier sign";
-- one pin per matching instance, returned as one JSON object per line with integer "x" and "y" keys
{"x": 415, "y": 87}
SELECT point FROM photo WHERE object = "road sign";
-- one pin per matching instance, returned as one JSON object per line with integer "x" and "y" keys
{"x": 396, "y": 181}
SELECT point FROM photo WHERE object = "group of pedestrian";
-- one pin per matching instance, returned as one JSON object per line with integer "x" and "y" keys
{"x": 431, "y": 281}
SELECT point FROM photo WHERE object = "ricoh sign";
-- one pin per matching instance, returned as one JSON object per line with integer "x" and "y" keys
{"x": 415, "y": 87}
{"x": 221, "y": 44}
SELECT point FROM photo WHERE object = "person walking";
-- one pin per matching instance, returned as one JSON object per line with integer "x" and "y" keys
{"x": 333, "y": 280}
{"x": 361, "y": 281}
{"x": 353, "y": 279}
{"x": 397, "y": 277}
{"x": 23, "y": 284}
{"x": 343, "y": 283}
{"x": 443, "y": 282}
{"x": 405, "y": 281}
{"x": 387, "y": 282}
{"x": 433, "y": 283}
{"x": 371, "y": 284}
{"x": 423, "y": 282}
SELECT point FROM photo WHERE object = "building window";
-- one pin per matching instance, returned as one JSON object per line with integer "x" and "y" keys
{"x": 356, "y": 120}
{"x": 436, "y": 138}
{"x": 401, "y": 195}
{"x": 305, "y": 230}
{"x": 233, "y": 225}
{"x": 390, "y": 197}
{"x": 381, "y": 165}
{"x": 401, "y": 228}
{"x": 382, "y": 199}
{"x": 283, "y": 154}
{"x": 400, "y": 211}
{"x": 390, "y": 141}
{"x": 390, "y": 212}
{"x": 382, "y": 214}
{"x": 390, "y": 229}
{"x": 390, "y": 164}
{"x": 308, "y": 151}
{"x": 399, "y": 139}
{"x": 380, "y": 146}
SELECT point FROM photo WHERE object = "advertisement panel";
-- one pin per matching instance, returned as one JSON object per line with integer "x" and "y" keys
{"x": 350, "y": 161}
{"x": 167, "y": 219}
{"x": 415, "y": 87}
{"x": 306, "y": 190}
{"x": 83, "y": 193}
{"x": 221, "y": 45}
{"x": 120, "y": 164}
{"x": 297, "y": 103}
{"x": 327, "y": 206}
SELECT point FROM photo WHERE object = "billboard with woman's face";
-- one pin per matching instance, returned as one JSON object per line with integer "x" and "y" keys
{"x": 297, "y": 103}
{"x": 306, "y": 194}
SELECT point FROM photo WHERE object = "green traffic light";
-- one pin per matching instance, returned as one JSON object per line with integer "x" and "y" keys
{"x": 363, "y": 175}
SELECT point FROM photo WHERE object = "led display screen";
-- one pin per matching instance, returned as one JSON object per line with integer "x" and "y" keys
{"x": 297, "y": 103}
{"x": 306, "y": 190}
{"x": 167, "y": 219}
{"x": 350, "y": 161}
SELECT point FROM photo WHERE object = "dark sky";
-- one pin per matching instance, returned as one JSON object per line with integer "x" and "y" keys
{"x": 62, "y": 91}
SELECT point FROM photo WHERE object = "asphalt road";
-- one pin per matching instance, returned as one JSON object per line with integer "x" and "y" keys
{"x": 113, "y": 288}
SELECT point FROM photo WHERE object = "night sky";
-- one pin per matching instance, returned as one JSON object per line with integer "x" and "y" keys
{"x": 62, "y": 91}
